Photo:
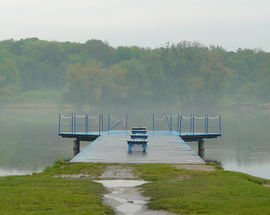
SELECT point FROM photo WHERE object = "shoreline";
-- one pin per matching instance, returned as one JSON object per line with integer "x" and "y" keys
{"x": 177, "y": 189}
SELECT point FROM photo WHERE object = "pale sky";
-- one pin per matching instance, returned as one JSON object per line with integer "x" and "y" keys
{"x": 231, "y": 24}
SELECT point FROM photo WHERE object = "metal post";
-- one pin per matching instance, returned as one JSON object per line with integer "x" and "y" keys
{"x": 76, "y": 147}
{"x": 99, "y": 124}
{"x": 126, "y": 122}
{"x": 75, "y": 123}
{"x": 219, "y": 119}
{"x": 180, "y": 125}
{"x": 72, "y": 123}
{"x": 190, "y": 124}
{"x": 129, "y": 148}
{"x": 207, "y": 121}
{"x": 102, "y": 123}
{"x": 205, "y": 129}
{"x": 109, "y": 122}
{"x": 168, "y": 122}
{"x": 153, "y": 125}
{"x": 89, "y": 123}
{"x": 201, "y": 148}
{"x": 86, "y": 123}
{"x": 171, "y": 123}
{"x": 193, "y": 123}
{"x": 59, "y": 124}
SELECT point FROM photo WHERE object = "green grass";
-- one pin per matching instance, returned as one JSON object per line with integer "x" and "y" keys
{"x": 64, "y": 168}
{"x": 38, "y": 195}
{"x": 157, "y": 172}
{"x": 42, "y": 193}
{"x": 197, "y": 192}
{"x": 186, "y": 192}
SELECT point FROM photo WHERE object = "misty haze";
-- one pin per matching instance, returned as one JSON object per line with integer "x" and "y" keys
{"x": 134, "y": 107}
{"x": 41, "y": 79}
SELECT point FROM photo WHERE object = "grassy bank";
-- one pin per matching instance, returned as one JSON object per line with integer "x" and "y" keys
{"x": 43, "y": 194}
{"x": 200, "y": 192}
{"x": 172, "y": 188}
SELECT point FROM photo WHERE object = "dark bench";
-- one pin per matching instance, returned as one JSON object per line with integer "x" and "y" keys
{"x": 131, "y": 143}
{"x": 139, "y": 128}
{"x": 133, "y": 131}
{"x": 138, "y": 136}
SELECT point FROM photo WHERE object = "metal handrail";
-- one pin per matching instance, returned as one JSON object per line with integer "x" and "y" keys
{"x": 170, "y": 119}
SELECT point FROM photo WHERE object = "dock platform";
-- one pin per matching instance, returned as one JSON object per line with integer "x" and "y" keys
{"x": 162, "y": 148}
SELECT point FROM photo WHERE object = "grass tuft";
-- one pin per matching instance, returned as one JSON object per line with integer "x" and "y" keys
{"x": 63, "y": 168}
{"x": 217, "y": 192}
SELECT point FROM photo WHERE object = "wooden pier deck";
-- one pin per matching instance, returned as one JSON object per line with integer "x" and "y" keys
{"x": 109, "y": 145}
{"x": 162, "y": 148}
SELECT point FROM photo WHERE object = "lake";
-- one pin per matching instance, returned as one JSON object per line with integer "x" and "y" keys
{"x": 29, "y": 141}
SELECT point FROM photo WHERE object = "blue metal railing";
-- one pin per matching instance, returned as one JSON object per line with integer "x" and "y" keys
{"x": 117, "y": 122}
{"x": 190, "y": 126}
{"x": 97, "y": 123}
{"x": 184, "y": 124}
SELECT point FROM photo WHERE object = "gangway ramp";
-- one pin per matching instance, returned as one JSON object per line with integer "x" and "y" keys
{"x": 161, "y": 148}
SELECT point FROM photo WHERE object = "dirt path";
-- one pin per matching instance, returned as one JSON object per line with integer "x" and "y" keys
{"x": 124, "y": 196}
{"x": 118, "y": 172}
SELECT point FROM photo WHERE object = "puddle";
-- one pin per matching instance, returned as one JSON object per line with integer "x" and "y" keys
{"x": 121, "y": 183}
{"x": 126, "y": 199}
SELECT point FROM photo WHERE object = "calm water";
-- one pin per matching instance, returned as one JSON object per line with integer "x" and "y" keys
{"x": 29, "y": 142}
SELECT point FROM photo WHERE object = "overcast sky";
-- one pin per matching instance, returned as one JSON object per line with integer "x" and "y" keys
{"x": 231, "y": 24}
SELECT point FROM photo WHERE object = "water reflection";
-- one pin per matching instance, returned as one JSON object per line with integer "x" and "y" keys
{"x": 257, "y": 169}
{"x": 245, "y": 145}
{"x": 29, "y": 140}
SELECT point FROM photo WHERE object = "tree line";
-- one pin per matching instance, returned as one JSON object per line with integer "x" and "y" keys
{"x": 98, "y": 74}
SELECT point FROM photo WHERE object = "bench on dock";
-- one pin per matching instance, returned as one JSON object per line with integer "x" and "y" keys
{"x": 131, "y": 143}
{"x": 133, "y": 131}
{"x": 139, "y": 128}
{"x": 138, "y": 137}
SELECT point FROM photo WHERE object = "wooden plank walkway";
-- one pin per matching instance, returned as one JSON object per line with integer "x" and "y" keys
{"x": 162, "y": 148}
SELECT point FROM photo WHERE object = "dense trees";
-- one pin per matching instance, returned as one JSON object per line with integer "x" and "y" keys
{"x": 96, "y": 73}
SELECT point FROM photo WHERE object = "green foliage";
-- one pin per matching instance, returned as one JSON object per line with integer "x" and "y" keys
{"x": 99, "y": 74}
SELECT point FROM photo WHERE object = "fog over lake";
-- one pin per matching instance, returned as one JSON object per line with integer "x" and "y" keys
{"x": 30, "y": 142}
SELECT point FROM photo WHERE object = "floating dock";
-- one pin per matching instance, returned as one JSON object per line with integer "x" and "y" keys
{"x": 164, "y": 146}
{"x": 161, "y": 148}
